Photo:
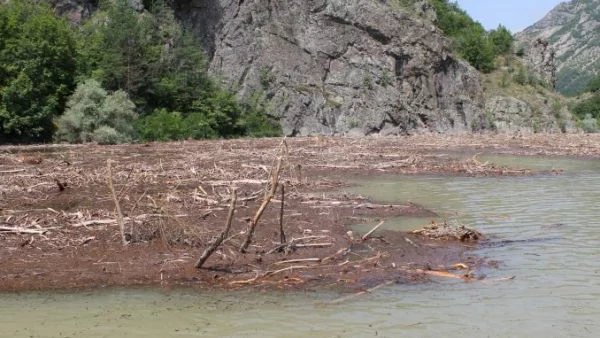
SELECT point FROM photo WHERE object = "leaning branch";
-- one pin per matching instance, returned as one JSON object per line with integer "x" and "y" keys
{"x": 213, "y": 247}
{"x": 263, "y": 206}
{"x": 117, "y": 206}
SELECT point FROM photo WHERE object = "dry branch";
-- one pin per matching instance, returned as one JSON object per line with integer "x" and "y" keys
{"x": 263, "y": 206}
{"x": 117, "y": 206}
{"x": 269, "y": 273}
{"x": 20, "y": 230}
{"x": 212, "y": 248}
{"x": 299, "y": 260}
{"x": 366, "y": 236}
{"x": 281, "y": 232}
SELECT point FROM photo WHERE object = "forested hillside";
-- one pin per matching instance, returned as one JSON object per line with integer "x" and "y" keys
{"x": 121, "y": 75}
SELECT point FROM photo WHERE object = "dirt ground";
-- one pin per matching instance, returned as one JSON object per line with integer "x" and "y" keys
{"x": 59, "y": 227}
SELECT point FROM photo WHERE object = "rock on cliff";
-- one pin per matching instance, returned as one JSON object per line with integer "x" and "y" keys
{"x": 572, "y": 30}
{"x": 331, "y": 67}
{"x": 75, "y": 10}
{"x": 540, "y": 62}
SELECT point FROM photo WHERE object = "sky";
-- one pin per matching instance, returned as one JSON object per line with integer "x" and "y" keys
{"x": 515, "y": 15}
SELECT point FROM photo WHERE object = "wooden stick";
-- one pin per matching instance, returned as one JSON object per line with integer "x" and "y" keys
{"x": 300, "y": 260}
{"x": 212, "y": 248}
{"x": 366, "y": 236}
{"x": 19, "y": 230}
{"x": 263, "y": 206}
{"x": 313, "y": 245}
{"x": 117, "y": 206}
{"x": 12, "y": 171}
{"x": 281, "y": 233}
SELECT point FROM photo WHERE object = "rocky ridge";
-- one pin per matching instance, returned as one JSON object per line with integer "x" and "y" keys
{"x": 572, "y": 30}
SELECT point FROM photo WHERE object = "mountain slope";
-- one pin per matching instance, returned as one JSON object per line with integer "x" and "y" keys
{"x": 573, "y": 30}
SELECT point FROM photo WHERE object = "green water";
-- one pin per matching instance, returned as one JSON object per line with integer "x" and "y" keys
{"x": 556, "y": 292}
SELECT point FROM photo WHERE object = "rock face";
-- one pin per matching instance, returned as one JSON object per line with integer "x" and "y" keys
{"x": 75, "y": 10}
{"x": 509, "y": 115}
{"x": 332, "y": 67}
{"x": 540, "y": 62}
{"x": 572, "y": 30}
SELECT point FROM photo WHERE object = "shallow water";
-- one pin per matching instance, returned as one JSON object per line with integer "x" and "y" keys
{"x": 556, "y": 292}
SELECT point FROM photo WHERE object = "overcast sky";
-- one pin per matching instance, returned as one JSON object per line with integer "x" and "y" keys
{"x": 516, "y": 15}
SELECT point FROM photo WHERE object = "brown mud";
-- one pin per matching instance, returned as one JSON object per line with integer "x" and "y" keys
{"x": 58, "y": 228}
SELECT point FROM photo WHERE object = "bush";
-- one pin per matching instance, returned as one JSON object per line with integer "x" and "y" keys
{"x": 162, "y": 125}
{"x": 95, "y": 115}
{"x": 108, "y": 135}
{"x": 589, "y": 124}
{"x": 589, "y": 107}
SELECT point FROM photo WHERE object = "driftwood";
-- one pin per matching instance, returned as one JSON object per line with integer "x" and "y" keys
{"x": 20, "y": 230}
{"x": 281, "y": 232}
{"x": 269, "y": 273}
{"x": 299, "y": 260}
{"x": 366, "y": 236}
{"x": 274, "y": 183}
{"x": 213, "y": 247}
{"x": 294, "y": 243}
{"x": 444, "y": 231}
{"x": 117, "y": 205}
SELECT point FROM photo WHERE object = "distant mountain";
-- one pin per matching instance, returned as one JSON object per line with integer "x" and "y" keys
{"x": 573, "y": 30}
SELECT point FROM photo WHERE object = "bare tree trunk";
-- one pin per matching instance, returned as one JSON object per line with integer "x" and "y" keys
{"x": 263, "y": 206}
{"x": 213, "y": 247}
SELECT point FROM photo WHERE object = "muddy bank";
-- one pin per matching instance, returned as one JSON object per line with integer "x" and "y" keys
{"x": 59, "y": 230}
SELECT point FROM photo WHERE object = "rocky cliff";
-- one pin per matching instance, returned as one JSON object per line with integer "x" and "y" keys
{"x": 572, "y": 30}
{"x": 332, "y": 67}
{"x": 362, "y": 67}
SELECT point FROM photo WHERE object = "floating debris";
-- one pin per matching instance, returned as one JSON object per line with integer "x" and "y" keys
{"x": 444, "y": 231}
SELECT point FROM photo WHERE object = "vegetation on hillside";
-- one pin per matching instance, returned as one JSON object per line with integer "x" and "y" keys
{"x": 587, "y": 109}
{"x": 471, "y": 41}
{"x": 145, "y": 61}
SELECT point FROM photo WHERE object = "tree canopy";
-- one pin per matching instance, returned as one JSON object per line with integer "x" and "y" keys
{"x": 37, "y": 70}
{"x": 471, "y": 40}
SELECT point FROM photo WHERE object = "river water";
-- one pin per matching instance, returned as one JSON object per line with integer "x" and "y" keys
{"x": 552, "y": 221}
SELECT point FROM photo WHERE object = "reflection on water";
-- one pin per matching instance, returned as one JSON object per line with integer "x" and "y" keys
{"x": 556, "y": 292}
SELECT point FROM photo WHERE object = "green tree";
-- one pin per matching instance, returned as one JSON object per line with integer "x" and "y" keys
{"x": 37, "y": 70}
{"x": 95, "y": 115}
{"x": 477, "y": 49}
{"x": 159, "y": 64}
{"x": 502, "y": 40}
